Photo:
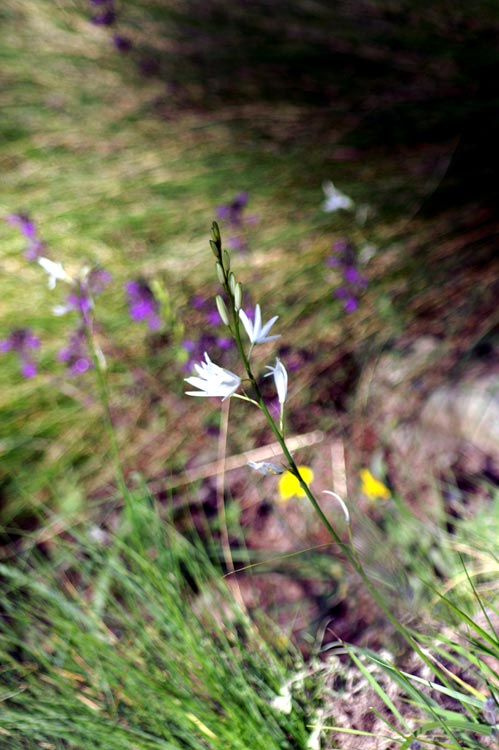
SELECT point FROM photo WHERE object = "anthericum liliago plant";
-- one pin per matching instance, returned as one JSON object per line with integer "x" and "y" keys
{"x": 211, "y": 380}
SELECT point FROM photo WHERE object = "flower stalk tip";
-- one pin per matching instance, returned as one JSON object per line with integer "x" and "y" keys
{"x": 215, "y": 232}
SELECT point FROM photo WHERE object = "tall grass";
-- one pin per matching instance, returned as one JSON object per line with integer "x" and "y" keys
{"x": 138, "y": 644}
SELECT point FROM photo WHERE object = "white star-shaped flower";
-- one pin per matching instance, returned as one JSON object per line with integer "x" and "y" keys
{"x": 257, "y": 333}
{"x": 54, "y": 270}
{"x": 280, "y": 379}
{"x": 335, "y": 199}
{"x": 213, "y": 380}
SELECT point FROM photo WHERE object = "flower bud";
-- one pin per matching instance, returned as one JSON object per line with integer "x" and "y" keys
{"x": 238, "y": 296}
{"x": 226, "y": 260}
{"x": 232, "y": 282}
{"x": 222, "y": 309}
{"x": 215, "y": 233}
{"x": 215, "y": 249}
{"x": 220, "y": 273}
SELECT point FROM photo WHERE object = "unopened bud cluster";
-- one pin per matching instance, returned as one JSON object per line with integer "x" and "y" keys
{"x": 226, "y": 278}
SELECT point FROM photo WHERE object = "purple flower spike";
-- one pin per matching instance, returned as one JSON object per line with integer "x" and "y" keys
{"x": 232, "y": 212}
{"x": 198, "y": 302}
{"x": 35, "y": 247}
{"x": 351, "y": 275}
{"x": 213, "y": 318}
{"x": 142, "y": 304}
{"x": 28, "y": 369}
{"x": 22, "y": 341}
{"x": 350, "y": 304}
{"x": 97, "y": 279}
{"x": 344, "y": 259}
{"x": 75, "y": 354}
{"x": 23, "y": 223}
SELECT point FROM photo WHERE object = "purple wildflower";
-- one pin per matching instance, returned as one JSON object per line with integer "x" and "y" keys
{"x": 232, "y": 212}
{"x": 224, "y": 343}
{"x": 22, "y": 341}
{"x": 80, "y": 302}
{"x": 81, "y": 297}
{"x": 197, "y": 302}
{"x": 35, "y": 247}
{"x": 23, "y": 223}
{"x": 237, "y": 243}
{"x": 97, "y": 279}
{"x": 142, "y": 304}
{"x": 213, "y": 318}
{"x": 122, "y": 43}
{"x": 107, "y": 12}
{"x": 350, "y": 304}
{"x": 75, "y": 353}
{"x": 344, "y": 258}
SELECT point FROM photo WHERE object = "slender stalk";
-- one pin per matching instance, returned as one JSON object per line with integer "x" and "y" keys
{"x": 108, "y": 423}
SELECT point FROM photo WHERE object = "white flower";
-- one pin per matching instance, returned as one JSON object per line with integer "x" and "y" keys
{"x": 54, "y": 270}
{"x": 280, "y": 379}
{"x": 213, "y": 380}
{"x": 335, "y": 199}
{"x": 60, "y": 310}
{"x": 257, "y": 333}
{"x": 265, "y": 467}
{"x": 283, "y": 701}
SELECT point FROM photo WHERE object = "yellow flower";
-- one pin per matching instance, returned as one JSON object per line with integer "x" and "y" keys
{"x": 289, "y": 486}
{"x": 372, "y": 487}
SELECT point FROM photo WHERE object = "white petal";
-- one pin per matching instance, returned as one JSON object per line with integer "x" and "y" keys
{"x": 257, "y": 327}
{"x": 248, "y": 326}
{"x": 266, "y": 328}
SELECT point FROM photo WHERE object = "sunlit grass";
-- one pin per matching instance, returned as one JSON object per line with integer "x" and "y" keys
{"x": 138, "y": 645}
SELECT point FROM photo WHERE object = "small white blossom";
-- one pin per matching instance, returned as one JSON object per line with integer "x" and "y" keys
{"x": 60, "y": 310}
{"x": 280, "y": 379}
{"x": 257, "y": 333}
{"x": 335, "y": 199}
{"x": 54, "y": 270}
{"x": 213, "y": 380}
{"x": 265, "y": 467}
{"x": 283, "y": 701}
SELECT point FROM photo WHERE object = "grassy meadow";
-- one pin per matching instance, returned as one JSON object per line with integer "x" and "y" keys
{"x": 127, "y": 507}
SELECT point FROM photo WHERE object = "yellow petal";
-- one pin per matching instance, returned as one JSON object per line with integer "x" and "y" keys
{"x": 372, "y": 487}
{"x": 289, "y": 486}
